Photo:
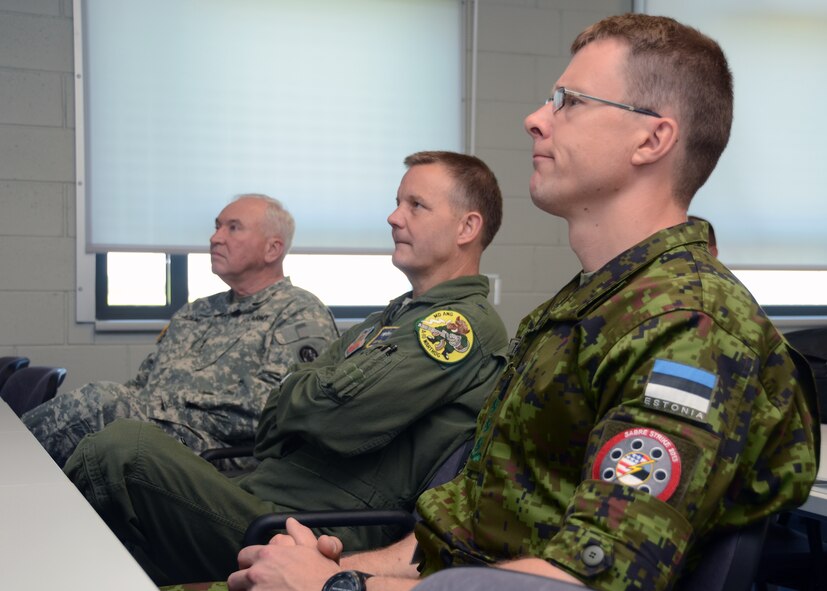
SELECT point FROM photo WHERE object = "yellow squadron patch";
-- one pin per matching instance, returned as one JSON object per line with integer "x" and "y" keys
{"x": 445, "y": 335}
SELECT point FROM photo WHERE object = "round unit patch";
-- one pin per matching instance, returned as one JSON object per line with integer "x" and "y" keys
{"x": 641, "y": 458}
{"x": 445, "y": 335}
{"x": 308, "y": 353}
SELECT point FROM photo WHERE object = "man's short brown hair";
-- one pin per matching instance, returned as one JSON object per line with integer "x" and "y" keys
{"x": 476, "y": 187}
{"x": 675, "y": 66}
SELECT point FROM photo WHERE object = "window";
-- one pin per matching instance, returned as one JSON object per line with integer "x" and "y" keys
{"x": 765, "y": 198}
{"x": 183, "y": 104}
{"x": 152, "y": 286}
{"x": 787, "y": 292}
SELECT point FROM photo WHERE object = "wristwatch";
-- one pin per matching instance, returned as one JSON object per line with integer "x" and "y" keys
{"x": 347, "y": 580}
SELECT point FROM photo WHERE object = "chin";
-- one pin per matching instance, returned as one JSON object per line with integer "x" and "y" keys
{"x": 547, "y": 202}
{"x": 398, "y": 262}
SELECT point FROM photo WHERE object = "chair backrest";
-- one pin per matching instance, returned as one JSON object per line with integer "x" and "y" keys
{"x": 9, "y": 365}
{"x": 30, "y": 386}
{"x": 812, "y": 343}
{"x": 263, "y": 527}
{"x": 729, "y": 562}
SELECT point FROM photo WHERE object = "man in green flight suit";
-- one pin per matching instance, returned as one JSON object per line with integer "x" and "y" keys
{"x": 647, "y": 407}
{"x": 364, "y": 426}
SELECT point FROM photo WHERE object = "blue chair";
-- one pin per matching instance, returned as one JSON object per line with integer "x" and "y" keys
{"x": 30, "y": 386}
{"x": 9, "y": 365}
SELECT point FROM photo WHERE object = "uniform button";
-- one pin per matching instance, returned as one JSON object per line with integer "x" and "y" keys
{"x": 593, "y": 555}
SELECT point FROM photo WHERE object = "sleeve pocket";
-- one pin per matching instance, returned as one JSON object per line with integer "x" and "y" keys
{"x": 359, "y": 373}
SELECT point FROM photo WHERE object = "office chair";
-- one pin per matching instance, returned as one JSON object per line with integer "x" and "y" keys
{"x": 729, "y": 562}
{"x": 220, "y": 458}
{"x": 794, "y": 552}
{"x": 812, "y": 343}
{"x": 264, "y": 527}
{"x": 9, "y": 365}
{"x": 30, "y": 386}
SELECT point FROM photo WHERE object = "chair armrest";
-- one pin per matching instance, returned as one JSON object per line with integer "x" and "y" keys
{"x": 222, "y": 453}
{"x": 262, "y": 528}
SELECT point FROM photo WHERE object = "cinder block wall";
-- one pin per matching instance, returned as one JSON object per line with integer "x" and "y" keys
{"x": 523, "y": 48}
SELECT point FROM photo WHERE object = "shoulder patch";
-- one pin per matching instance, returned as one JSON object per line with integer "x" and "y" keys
{"x": 358, "y": 342}
{"x": 308, "y": 353}
{"x": 162, "y": 333}
{"x": 383, "y": 335}
{"x": 679, "y": 389}
{"x": 445, "y": 335}
{"x": 641, "y": 458}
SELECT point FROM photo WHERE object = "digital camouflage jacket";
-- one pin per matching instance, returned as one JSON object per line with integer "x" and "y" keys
{"x": 644, "y": 408}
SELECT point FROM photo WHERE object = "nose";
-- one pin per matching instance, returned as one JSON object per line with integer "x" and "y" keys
{"x": 538, "y": 123}
{"x": 217, "y": 237}
{"x": 395, "y": 218}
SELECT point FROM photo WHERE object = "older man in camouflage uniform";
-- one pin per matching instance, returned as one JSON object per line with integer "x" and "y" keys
{"x": 647, "y": 407}
{"x": 219, "y": 357}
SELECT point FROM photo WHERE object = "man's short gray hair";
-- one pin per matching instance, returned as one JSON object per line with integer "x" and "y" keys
{"x": 278, "y": 221}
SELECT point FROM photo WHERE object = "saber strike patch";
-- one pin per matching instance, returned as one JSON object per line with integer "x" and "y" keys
{"x": 445, "y": 335}
{"x": 642, "y": 458}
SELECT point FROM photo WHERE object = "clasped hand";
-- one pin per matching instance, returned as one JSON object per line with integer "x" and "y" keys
{"x": 296, "y": 561}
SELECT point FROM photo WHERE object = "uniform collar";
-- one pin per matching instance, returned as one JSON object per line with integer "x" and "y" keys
{"x": 447, "y": 290}
{"x": 227, "y": 303}
{"x": 581, "y": 293}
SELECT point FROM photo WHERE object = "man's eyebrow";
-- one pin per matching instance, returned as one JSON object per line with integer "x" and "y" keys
{"x": 229, "y": 221}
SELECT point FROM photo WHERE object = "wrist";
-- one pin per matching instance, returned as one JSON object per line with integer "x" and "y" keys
{"x": 347, "y": 580}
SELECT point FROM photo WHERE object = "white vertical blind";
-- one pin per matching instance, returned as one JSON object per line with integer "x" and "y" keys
{"x": 768, "y": 196}
{"x": 190, "y": 102}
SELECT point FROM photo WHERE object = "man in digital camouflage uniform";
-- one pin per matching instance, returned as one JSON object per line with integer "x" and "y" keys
{"x": 219, "y": 357}
{"x": 365, "y": 425}
{"x": 646, "y": 408}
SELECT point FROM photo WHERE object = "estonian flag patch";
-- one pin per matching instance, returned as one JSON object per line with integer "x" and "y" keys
{"x": 679, "y": 389}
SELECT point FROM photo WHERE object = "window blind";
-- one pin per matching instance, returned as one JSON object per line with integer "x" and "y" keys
{"x": 766, "y": 198}
{"x": 191, "y": 102}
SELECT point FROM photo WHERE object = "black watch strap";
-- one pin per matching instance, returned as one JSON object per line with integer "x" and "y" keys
{"x": 347, "y": 580}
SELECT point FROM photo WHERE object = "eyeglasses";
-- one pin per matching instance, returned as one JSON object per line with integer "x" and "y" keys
{"x": 558, "y": 99}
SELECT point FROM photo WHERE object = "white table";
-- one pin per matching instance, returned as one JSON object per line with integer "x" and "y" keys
{"x": 50, "y": 537}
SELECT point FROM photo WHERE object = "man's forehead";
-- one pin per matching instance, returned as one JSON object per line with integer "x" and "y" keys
{"x": 600, "y": 62}
{"x": 426, "y": 178}
{"x": 240, "y": 211}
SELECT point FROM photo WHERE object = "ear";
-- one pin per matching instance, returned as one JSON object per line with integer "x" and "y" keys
{"x": 659, "y": 142}
{"x": 470, "y": 227}
{"x": 273, "y": 249}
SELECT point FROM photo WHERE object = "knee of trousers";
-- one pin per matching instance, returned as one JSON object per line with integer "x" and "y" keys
{"x": 113, "y": 449}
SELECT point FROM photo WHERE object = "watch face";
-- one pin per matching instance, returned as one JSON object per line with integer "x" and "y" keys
{"x": 344, "y": 581}
{"x": 342, "y": 585}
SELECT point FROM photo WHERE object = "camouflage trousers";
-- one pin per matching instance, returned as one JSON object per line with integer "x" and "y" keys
{"x": 180, "y": 518}
{"x": 60, "y": 423}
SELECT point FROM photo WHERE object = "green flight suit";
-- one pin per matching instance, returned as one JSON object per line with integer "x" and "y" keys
{"x": 643, "y": 409}
{"x": 365, "y": 425}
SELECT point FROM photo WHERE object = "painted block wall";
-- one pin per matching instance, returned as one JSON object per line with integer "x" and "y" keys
{"x": 523, "y": 48}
